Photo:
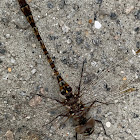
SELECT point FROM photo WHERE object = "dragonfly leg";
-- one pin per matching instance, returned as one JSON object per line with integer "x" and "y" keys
{"x": 50, "y": 98}
{"x": 102, "y": 127}
{"x": 60, "y": 115}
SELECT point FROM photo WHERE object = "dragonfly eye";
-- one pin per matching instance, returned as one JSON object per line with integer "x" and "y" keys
{"x": 87, "y": 128}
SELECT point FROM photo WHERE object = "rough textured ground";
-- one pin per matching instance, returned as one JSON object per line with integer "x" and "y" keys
{"x": 67, "y": 28}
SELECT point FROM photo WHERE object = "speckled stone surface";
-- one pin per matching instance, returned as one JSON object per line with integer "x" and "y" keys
{"x": 68, "y": 30}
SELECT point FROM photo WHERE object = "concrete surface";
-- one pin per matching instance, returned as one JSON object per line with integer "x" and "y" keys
{"x": 67, "y": 28}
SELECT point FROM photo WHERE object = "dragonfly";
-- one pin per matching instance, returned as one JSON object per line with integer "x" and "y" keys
{"x": 75, "y": 108}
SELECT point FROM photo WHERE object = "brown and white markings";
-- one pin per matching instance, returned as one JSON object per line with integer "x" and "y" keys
{"x": 75, "y": 108}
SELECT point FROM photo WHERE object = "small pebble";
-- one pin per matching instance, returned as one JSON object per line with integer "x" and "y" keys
{"x": 137, "y": 29}
{"x": 12, "y": 60}
{"x": 90, "y": 21}
{"x": 116, "y": 101}
{"x": 108, "y": 124}
{"x": 96, "y": 42}
{"x": 33, "y": 45}
{"x": 136, "y": 76}
{"x": 5, "y": 102}
{"x": 122, "y": 72}
{"x": 97, "y": 25}
{"x": 33, "y": 71}
{"x": 65, "y": 28}
{"x": 129, "y": 9}
{"x": 133, "y": 52}
{"x": 125, "y": 107}
{"x": 124, "y": 78}
{"x": 31, "y": 66}
{"x": 113, "y": 16}
{"x": 135, "y": 115}
{"x": 9, "y": 69}
{"x": 42, "y": 90}
{"x": 50, "y": 5}
{"x": 2, "y": 51}
{"x": 69, "y": 41}
{"x": 5, "y": 77}
{"x": 7, "y": 36}
{"x": 76, "y": 7}
{"x": 62, "y": 4}
{"x": 28, "y": 117}
{"x": 128, "y": 131}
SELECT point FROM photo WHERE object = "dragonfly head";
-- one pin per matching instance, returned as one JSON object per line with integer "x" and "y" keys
{"x": 87, "y": 128}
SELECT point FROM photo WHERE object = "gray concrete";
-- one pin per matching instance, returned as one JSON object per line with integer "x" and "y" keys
{"x": 70, "y": 38}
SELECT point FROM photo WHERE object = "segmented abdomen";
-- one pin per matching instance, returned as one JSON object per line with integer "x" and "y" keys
{"x": 65, "y": 89}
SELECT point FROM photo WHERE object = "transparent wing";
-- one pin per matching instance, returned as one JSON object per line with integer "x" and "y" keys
{"x": 121, "y": 76}
{"x": 116, "y": 83}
